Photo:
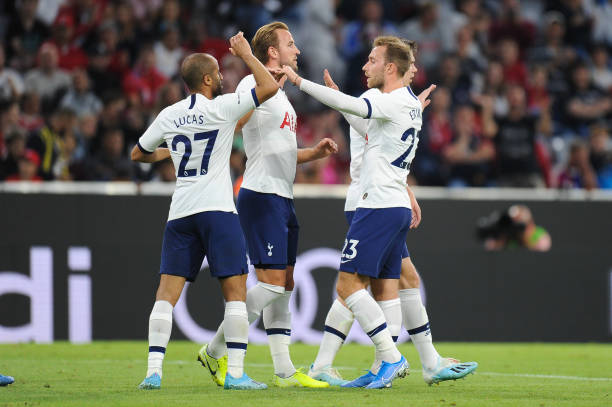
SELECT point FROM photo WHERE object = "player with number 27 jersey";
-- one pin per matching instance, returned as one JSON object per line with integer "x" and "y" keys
{"x": 199, "y": 133}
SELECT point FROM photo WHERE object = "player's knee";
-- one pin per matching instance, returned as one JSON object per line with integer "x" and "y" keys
{"x": 166, "y": 294}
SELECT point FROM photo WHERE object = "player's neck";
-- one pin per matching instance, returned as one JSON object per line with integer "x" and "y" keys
{"x": 392, "y": 84}
{"x": 276, "y": 65}
{"x": 205, "y": 91}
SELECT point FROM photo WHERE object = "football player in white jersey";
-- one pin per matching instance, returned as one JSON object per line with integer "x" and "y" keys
{"x": 266, "y": 210}
{"x": 408, "y": 307}
{"x": 375, "y": 241}
{"x": 199, "y": 131}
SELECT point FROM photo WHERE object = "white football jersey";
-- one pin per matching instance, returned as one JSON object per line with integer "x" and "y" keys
{"x": 391, "y": 142}
{"x": 199, "y": 133}
{"x": 270, "y": 144}
{"x": 358, "y": 143}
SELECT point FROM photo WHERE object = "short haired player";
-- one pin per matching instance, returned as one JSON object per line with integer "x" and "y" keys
{"x": 408, "y": 308}
{"x": 266, "y": 210}
{"x": 376, "y": 238}
{"x": 199, "y": 131}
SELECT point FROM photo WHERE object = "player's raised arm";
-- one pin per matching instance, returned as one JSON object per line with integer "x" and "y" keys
{"x": 266, "y": 86}
{"x": 331, "y": 97}
{"x": 359, "y": 124}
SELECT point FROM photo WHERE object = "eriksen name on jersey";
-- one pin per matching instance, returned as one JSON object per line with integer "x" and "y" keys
{"x": 188, "y": 119}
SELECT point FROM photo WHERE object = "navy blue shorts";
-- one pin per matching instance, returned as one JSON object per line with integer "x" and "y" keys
{"x": 375, "y": 241}
{"x": 215, "y": 234}
{"x": 349, "y": 218}
{"x": 270, "y": 228}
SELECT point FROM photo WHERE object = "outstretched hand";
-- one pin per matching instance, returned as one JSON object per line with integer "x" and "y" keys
{"x": 424, "y": 96}
{"x": 325, "y": 147}
{"x": 291, "y": 75}
{"x": 239, "y": 46}
{"x": 329, "y": 82}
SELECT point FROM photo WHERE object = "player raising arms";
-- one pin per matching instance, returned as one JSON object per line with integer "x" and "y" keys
{"x": 409, "y": 306}
{"x": 376, "y": 238}
{"x": 202, "y": 221}
{"x": 266, "y": 210}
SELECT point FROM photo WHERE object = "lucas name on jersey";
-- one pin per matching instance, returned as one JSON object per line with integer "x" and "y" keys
{"x": 190, "y": 119}
{"x": 290, "y": 121}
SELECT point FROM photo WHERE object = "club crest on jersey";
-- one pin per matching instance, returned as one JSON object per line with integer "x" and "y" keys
{"x": 414, "y": 113}
{"x": 270, "y": 247}
{"x": 290, "y": 121}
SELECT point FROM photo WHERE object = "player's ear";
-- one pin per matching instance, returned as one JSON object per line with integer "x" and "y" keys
{"x": 207, "y": 79}
{"x": 272, "y": 52}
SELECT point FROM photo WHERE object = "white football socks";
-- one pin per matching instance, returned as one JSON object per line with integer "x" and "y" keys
{"x": 258, "y": 297}
{"x": 160, "y": 327}
{"x": 392, "y": 310}
{"x": 372, "y": 321}
{"x": 338, "y": 323}
{"x": 416, "y": 323}
{"x": 277, "y": 321}
{"x": 236, "y": 332}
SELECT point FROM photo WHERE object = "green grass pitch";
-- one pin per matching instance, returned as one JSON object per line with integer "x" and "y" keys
{"x": 107, "y": 374}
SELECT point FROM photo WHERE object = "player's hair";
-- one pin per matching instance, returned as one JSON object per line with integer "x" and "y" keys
{"x": 397, "y": 51}
{"x": 265, "y": 38}
{"x": 194, "y": 67}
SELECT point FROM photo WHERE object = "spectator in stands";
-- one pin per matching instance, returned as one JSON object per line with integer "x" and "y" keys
{"x": 449, "y": 75}
{"x": 514, "y": 69}
{"x": 71, "y": 55}
{"x": 168, "y": 51}
{"x": 11, "y": 82}
{"x": 470, "y": 154}
{"x": 24, "y": 35}
{"x": 86, "y": 15}
{"x": 433, "y": 36}
{"x": 9, "y": 122}
{"x": 602, "y": 29}
{"x": 316, "y": 39}
{"x": 538, "y": 97}
{"x": 47, "y": 142}
{"x": 15, "y": 148}
{"x": 492, "y": 85}
{"x": 600, "y": 69}
{"x": 108, "y": 61}
{"x": 144, "y": 78}
{"x": 510, "y": 24}
{"x": 578, "y": 172}
{"x": 357, "y": 37}
{"x": 168, "y": 16}
{"x": 47, "y": 79}
{"x": 584, "y": 104}
{"x": 111, "y": 162}
{"x": 79, "y": 98}
{"x": 30, "y": 119}
{"x": 521, "y": 161}
{"x": 27, "y": 167}
{"x": 579, "y": 23}
{"x": 435, "y": 135}
{"x": 551, "y": 51}
{"x": 601, "y": 155}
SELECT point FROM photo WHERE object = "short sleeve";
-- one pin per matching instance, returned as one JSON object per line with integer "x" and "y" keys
{"x": 233, "y": 106}
{"x": 380, "y": 106}
{"x": 152, "y": 137}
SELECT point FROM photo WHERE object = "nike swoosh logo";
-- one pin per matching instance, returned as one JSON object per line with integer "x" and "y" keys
{"x": 345, "y": 261}
{"x": 205, "y": 363}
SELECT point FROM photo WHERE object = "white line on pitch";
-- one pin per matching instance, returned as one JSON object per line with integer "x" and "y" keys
{"x": 526, "y": 375}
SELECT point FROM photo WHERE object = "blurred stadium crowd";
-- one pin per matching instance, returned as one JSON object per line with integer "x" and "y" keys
{"x": 524, "y": 94}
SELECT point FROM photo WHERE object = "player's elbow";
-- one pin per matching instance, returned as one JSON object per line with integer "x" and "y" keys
{"x": 267, "y": 91}
{"x": 136, "y": 154}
